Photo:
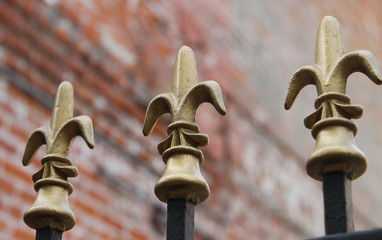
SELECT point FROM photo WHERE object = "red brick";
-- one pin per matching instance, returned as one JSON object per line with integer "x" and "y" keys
{"x": 21, "y": 234}
{"x": 191, "y": 29}
{"x": 83, "y": 92}
{"x": 112, "y": 221}
{"x": 95, "y": 194}
{"x": 40, "y": 81}
{"x": 28, "y": 196}
{"x": 88, "y": 174}
{"x": 19, "y": 132}
{"x": 101, "y": 235}
{"x": 73, "y": 64}
{"x": 9, "y": 15}
{"x": 6, "y": 186}
{"x": 132, "y": 109}
{"x": 16, "y": 212}
{"x": 3, "y": 223}
{"x": 62, "y": 35}
{"x": 86, "y": 206}
{"x": 9, "y": 147}
{"x": 18, "y": 172}
{"x": 138, "y": 235}
{"x": 91, "y": 33}
{"x": 29, "y": 8}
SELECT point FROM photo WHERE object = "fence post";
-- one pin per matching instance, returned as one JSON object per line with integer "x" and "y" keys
{"x": 50, "y": 213}
{"x": 336, "y": 159}
{"x": 182, "y": 186}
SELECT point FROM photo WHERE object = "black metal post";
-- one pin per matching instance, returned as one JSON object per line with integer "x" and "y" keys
{"x": 180, "y": 219}
{"x": 48, "y": 234}
{"x": 337, "y": 203}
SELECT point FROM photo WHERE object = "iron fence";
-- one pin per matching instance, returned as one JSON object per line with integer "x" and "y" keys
{"x": 336, "y": 160}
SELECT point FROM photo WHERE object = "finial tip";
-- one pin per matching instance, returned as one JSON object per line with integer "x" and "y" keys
{"x": 66, "y": 86}
{"x": 185, "y": 55}
{"x": 330, "y": 22}
{"x": 329, "y": 18}
{"x": 185, "y": 48}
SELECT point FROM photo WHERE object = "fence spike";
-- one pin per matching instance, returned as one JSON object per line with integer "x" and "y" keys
{"x": 336, "y": 159}
{"x": 51, "y": 207}
{"x": 331, "y": 123}
{"x": 182, "y": 178}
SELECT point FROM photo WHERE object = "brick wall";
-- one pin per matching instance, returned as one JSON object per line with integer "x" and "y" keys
{"x": 120, "y": 54}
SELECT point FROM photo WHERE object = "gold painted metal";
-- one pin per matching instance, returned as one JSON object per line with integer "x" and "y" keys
{"x": 51, "y": 207}
{"x": 331, "y": 123}
{"x": 180, "y": 152}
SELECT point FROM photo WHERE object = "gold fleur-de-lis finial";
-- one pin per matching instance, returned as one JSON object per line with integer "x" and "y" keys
{"x": 182, "y": 177}
{"x": 51, "y": 207}
{"x": 331, "y": 122}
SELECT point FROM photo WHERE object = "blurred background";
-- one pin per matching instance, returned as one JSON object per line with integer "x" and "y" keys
{"x": 120, "y": 54}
